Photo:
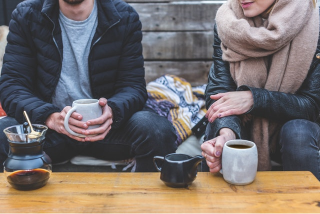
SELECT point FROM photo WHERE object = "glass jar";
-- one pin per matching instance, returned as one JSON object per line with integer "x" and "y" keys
{"x": 27, "y": 166}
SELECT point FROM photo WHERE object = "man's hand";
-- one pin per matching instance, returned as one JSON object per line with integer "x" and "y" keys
{"x": 230, "y": 103}
{"x": 105, "y": 121}
{"x": 56, "y": 122}
{"x": 212, "y": 149}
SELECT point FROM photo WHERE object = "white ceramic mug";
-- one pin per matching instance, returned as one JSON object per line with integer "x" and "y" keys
{"x": 88, "y": 108}
{"x": 239, "y": 162}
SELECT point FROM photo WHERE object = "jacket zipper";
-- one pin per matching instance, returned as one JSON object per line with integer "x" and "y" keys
{"x": 103, "y": 35}
{"x": 55, "y": 42}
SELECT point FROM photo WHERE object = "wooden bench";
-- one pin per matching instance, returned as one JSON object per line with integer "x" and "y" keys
{"x": 177, "y": 37}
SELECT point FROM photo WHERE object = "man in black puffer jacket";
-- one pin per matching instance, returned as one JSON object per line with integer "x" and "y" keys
{"x": 62, "y": 50}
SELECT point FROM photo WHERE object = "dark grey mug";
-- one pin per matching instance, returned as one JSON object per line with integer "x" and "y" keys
{"x": 177, "y": 170}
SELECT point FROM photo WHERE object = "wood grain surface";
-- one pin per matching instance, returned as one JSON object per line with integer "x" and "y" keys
{"x": 294, "y": 192}
{"x": 186, "y": 46}
{"x": 195, "y": 72}
{"x": 177, "y": 37}
{"x": 177, "y": 16}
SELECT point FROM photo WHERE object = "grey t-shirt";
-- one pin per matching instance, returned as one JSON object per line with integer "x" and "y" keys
{"x": 74, "y": 82}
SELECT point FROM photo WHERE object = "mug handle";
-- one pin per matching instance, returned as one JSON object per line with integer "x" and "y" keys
{"x": 66, "y": 122}
{"x": 155, "y": 158}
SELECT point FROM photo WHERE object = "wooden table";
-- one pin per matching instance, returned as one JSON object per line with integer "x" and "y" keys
{"x": 146, "y": 193}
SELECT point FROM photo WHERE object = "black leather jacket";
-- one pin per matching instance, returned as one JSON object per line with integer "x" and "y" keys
{"x": 278, "y": 106}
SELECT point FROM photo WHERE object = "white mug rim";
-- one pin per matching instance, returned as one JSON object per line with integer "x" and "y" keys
{"x": 89, "y": 101}
{"x": 239, "y": 142}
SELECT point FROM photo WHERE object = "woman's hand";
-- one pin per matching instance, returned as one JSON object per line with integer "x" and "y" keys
{"x": 230, "y": 103}
{"x": 212, "y": 149}
{"x": 105, "y": 121}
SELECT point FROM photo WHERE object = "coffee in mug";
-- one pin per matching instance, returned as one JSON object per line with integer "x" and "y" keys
{"x": 240, "y": 146}
{"x": 239, "y": 162}
{"x": 88, "y": 108}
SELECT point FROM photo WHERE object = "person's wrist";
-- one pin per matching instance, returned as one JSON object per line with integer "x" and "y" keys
{"x": 111, "y": 111}
{"x": 227, "y": 132}
{"x": 49, "y": 120}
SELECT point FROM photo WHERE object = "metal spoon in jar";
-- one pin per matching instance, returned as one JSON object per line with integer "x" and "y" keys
{"x": 33, "y": 133}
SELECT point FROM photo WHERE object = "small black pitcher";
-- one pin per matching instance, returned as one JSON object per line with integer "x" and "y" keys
{"x": 27, "y": 166}
{"x": 178, "y": 170}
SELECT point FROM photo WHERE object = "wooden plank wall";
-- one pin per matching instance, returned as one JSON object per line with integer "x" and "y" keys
{"x": 177, "y": 37}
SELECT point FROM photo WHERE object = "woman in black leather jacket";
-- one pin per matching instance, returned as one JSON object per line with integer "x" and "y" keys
{"x": 237, "y": 106}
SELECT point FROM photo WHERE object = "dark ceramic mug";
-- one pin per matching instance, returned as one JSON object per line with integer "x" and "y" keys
{"x": 177, "y": 170}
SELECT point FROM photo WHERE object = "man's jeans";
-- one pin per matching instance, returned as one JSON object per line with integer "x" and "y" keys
{"x": 144, "y": 136}
{"x": 299, "y": 146}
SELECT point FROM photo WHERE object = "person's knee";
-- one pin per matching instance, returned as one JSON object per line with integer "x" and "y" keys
{"x": 154, "y": 129}
{"x": 299, "y": 140}
{"x": 153, "y": 125}
{"x": 296, "y": 133}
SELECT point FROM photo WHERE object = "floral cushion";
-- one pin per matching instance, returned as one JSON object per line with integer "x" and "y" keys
{"x": 2, "y": 113}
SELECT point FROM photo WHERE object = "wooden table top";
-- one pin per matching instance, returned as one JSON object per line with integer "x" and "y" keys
{"x": 146, "y": 193}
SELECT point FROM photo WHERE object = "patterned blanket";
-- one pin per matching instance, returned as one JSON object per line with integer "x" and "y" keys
{"x": 174, "y": 98}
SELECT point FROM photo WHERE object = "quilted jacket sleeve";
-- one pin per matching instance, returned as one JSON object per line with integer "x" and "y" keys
{"x": 131, "y": 94}
{"x": 17, "y": 82}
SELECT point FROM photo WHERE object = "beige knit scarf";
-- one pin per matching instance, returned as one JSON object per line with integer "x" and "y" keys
{"x": 274, "y": 54}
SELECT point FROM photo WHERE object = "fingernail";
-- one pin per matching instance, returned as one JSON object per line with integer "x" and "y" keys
{"x": 218, "y": 153}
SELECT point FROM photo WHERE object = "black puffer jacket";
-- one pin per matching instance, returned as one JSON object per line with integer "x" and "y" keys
{"x": 278, "y": 106}
{"x": 32, "y": 62}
